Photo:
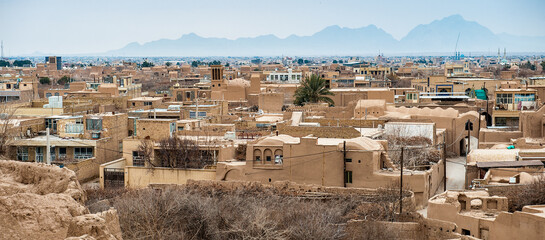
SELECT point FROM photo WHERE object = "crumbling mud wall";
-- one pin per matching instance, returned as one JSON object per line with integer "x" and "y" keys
{"x": 38, "y": 201}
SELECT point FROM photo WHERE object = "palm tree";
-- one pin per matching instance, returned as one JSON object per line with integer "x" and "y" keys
{"x": 312, "y": 90}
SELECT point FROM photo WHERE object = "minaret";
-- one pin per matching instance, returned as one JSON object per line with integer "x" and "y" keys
{"x": 504, "y": 53}
{"x": 2, "y": 51}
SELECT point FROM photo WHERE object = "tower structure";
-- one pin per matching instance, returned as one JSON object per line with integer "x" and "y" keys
{"x": 216, "y": 76}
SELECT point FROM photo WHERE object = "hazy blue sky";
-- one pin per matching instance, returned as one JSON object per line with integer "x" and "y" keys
{"x": 72, "y": 26}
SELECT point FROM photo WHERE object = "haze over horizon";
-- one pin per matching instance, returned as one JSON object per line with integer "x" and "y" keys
{"x": 66, "y": 27}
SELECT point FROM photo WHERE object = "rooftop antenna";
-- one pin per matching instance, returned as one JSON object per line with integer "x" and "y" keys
{"x": 456, "y": 47}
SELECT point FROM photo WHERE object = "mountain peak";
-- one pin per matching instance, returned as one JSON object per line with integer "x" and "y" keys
{"x": 441, "y": 35}
{"x": 455, "y": 17}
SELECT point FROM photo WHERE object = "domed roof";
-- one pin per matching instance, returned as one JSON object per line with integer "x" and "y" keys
{"x": 277, "y": 140}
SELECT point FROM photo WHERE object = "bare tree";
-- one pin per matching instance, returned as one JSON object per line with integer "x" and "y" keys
{"x": 530, "y": 194}
{"x": 6, "y": 126}
{"x": 180, "y": 153}
{"x": 145, "y": 151}
{"x": 418, "y": 150}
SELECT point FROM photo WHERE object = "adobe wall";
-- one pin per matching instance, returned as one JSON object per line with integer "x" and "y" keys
{"x": 140, "y": 177}
{"x": 327, "y": 169}
{"x": 348, "y": 122}
{"x": 450, "y": 207}
{"x": 41, "y": 201}
{"x": 518, "y": 225}
{"x": 35, "y": 125}
{"x": 531, "y": 123}
{"x": 85, "y": 170}
{"x": 321, "y": 132}
{"x": 271, "y": 102}
{"x": 491, "y": 136}
{"x": 154, "y": 129}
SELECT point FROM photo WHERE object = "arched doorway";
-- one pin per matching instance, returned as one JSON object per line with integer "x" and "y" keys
{"x": 488, "y": 118}
{"x": 463, "y": 146}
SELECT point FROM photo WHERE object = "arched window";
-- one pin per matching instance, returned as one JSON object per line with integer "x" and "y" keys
{"x": 469, "y": 92}
{"x": 278, "y": 156}
{"x": 257, "y": 155}
{"x": 267, "y": 154}
{"x": 48, "y": 95}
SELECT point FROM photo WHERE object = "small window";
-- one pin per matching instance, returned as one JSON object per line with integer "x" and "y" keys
{"x": 348, "y": 159}
{"x": 268, "y": 158}
{"x": 94, "y": 124}
{"x": 147, "y": 103}
{"x": 348, "y": 176}
{"x": 137, "y": 158}
{"x": 22, "y": 153}
{"x": 278, "y": 159}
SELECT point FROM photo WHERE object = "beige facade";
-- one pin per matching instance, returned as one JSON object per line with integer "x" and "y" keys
{"x": 485, "y": 217}
{"x": 319, "y": 161}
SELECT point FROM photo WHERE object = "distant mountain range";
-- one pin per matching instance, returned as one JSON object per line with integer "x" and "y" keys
{"x": 439, "y": 36}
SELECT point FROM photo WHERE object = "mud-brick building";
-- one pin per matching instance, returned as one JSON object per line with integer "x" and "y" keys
{"x": 356, "y": 162}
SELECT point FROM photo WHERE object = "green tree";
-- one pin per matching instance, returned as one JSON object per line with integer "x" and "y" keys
{"x": 313, "y": 90}
{"x": 147, "y": 64}
{"x": 63, "y": 80}
{"x": 45, "y": 80}
{"x": 168, "y": 64}
{"x": 196, "y": 63}
{"x": 22, "y": 63}
{"x": 543, "y": 66}
{"x": 335, "y": 61}
{"x": 4, "y": 63}
{"x": 215, "y": 62}
{"x": 300, "y": 61}
{"x": 340, "y": 61}
{"x": 528, "y": 65}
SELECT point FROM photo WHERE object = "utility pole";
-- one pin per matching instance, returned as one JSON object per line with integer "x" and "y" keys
{"x": 468, "y": 126}
{"x": 48, "y": 148}
{"x": 197, "y": 109}
{"x": 445, "y": 166}
{"x": 344, "y": 164}
{"x": 401, "y": 183}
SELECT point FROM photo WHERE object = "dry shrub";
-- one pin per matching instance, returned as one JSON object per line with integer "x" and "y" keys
{"x": 240, "y": 152}
{"x": 530, "y": 194}
{"x": 98, "y": 200}
{"x": 96, "y": 194}
{"x": 418, "y": 152}
{"x": 251, "y": 211}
